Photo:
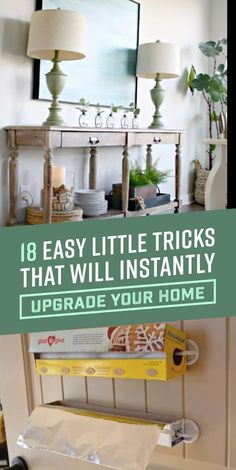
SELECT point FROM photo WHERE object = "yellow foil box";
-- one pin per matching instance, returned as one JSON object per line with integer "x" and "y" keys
{"x": 167, "y": 363}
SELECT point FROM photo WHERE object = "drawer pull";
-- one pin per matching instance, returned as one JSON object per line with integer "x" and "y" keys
{"x": 157, "y": 140}
{"x": 93, "y": 140}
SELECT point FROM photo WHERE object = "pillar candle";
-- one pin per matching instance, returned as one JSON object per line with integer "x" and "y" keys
{"x": 58, "y": 176}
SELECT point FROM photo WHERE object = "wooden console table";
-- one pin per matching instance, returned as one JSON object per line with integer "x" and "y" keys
{"x": 51, "y": 138}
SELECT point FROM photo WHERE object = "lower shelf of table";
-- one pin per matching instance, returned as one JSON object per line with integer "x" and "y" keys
{"x": 112, "y": 213}
{"x": 115, "y": 213}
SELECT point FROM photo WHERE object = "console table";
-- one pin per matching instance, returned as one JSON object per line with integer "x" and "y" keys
{"x": 51, "y": 138}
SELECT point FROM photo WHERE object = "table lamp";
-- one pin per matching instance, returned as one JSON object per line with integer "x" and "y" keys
{"x": 56, "y": 35}
{"x": 158, "y": 61}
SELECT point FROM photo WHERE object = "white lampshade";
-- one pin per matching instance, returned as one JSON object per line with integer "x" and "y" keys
{"x": 56, "y": 30}
{"x": 158, "y": 58}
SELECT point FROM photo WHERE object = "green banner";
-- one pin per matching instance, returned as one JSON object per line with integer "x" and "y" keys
{"x": 99, "y": 273}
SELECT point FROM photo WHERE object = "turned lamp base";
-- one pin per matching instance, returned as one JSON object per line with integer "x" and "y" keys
{"x": 56, "y": 80}
{"x": 157, "y": 95}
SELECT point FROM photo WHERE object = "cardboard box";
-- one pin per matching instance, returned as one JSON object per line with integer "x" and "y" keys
{"x": 156, "y": 346}
{"x": 149, "y": 337}
{"x": 86, "y": 340}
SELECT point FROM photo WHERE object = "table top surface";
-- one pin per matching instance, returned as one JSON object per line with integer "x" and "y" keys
{"x": 92, "y": 129}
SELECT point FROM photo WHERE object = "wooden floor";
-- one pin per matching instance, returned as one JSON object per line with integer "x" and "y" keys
{"x": 194, "y": 207}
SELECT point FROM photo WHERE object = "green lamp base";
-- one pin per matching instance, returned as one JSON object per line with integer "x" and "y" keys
{"x": 157, "y": 95}
{"x": 56, "y": 80}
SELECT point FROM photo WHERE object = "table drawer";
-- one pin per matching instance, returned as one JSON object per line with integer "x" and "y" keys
{"x": 157, "y": 138}
{"x": 97, "y": 139}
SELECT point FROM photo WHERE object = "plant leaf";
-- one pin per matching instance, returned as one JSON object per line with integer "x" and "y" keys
{"x": 214, "y": 116}
{"x": 191, "y": 75}
{"x": 212, "y": 147}
{"x": 215, "y": 89}
{"x": 224, "y": 41}
{"x": 201, "y": 82}
{"x": 221, "y": 68}
{"x": 208, "y": 48}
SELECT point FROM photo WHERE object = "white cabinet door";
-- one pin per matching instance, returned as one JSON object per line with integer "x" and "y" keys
{"x": 17, "y": 396}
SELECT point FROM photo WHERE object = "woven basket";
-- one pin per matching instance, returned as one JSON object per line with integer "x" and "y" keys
{"x": 200, "y": 183}
{"x": 35, "y": 215}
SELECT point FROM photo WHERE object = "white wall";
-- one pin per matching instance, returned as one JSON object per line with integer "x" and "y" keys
{"x": 185, "y": 22}
{"x": 218, "y": 19}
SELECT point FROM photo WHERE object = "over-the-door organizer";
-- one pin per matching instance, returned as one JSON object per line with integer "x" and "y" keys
{"x": 155, "y": 351}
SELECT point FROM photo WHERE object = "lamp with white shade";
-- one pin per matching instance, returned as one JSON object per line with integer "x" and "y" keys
{"x": 158, "y": 61}
{"x": 56, "y": 35}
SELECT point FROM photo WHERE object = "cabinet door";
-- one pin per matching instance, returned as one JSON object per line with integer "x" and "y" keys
{"x": 18, "y": 399}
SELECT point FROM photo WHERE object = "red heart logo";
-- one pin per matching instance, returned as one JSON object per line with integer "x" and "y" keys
{"x": 51, "y": 340}
{"x": 110, "y": 331}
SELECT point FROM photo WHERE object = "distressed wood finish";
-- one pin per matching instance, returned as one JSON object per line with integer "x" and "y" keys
{"x": 125, "y": 181}
{"x": 93, "y": 168}
{"x": 51, "y": 138}
{"x": 149, "y": 155}
{"x": 48, "y": 156}
{"x": 35, "y": 138}
{"x": 177, "y": 175}
{"x": 13, "y": 186}
{"x": 157, "y": 138}
{"x": 100, "y": 139}
{"x": 13, "y": 178}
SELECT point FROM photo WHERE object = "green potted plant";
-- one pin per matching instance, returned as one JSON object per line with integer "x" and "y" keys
{"x": 143, "y": 183}
{"x": 213, "y": 87}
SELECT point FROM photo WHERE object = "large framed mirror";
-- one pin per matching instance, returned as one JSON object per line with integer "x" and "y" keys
{"x": 108, "y": 73}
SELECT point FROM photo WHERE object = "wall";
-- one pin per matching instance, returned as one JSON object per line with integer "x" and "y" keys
{"x": 183, "y": 22}
{"x": 218, "y": 19}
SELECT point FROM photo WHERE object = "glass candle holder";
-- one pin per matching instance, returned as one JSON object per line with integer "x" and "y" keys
{"x": 62, "y": 194}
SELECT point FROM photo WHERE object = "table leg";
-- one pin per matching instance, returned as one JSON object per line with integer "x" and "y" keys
{"x": 93, "y": 168}
{"x": 149, "y": 156}
{"x": 177, "y": 174}
{"x": 13, "y": 186}
{"x": 48, "y": 156}
{"x": 125, "y": 181}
